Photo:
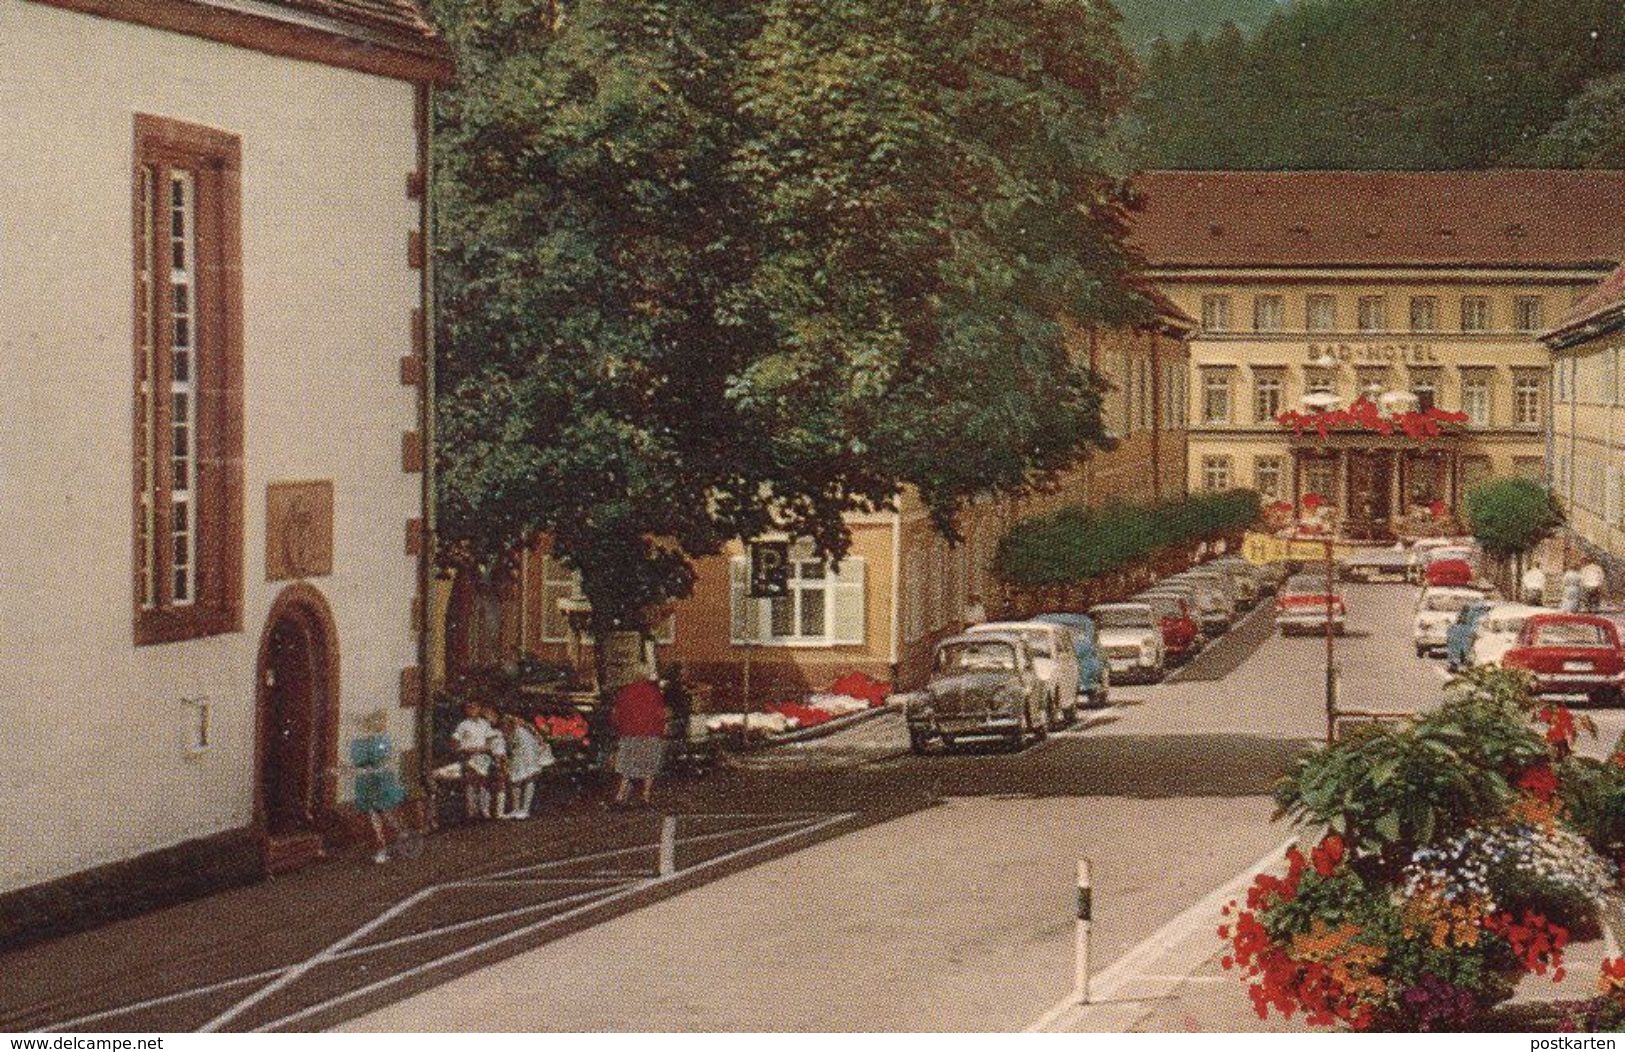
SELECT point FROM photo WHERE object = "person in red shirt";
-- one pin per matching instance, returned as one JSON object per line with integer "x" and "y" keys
{"x": 639, "y": 717}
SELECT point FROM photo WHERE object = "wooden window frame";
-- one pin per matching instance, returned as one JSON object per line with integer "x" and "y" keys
{"x": 215, "y": 160}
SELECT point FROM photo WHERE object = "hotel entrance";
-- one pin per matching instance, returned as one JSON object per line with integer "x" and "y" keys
{"x": 1381, "y": 487}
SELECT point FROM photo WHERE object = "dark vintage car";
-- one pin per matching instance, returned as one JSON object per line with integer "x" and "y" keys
{"x": 982, "y": 684}
{"x": 1571, "y": 654}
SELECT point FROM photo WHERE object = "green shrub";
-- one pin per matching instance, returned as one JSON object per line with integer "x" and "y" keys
{"x": 1076, "y": 543}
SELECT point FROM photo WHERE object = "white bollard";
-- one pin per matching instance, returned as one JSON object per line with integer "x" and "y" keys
{"x": 668, "y": 846}
{"x": 1080, "y": 985}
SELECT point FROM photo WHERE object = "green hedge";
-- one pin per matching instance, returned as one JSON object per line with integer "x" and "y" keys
{"x": 1076, "y": 543}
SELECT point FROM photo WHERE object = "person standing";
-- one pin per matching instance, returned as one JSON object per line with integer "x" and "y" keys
{"x": 527, "y": 756}
{"x": 378, "y": 790}
{"x": 639, "y": 718}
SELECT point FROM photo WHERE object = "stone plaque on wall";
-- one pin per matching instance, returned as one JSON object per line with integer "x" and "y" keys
{"x": 298, "y": 530}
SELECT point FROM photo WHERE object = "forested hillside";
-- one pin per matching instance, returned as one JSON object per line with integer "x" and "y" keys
{"x": 1146, "y": 20}
{"x": 1391, "y": 84}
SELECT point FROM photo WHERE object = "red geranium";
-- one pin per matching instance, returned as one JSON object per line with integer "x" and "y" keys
{"x": 1328, "y": 855}
{"x": 1539, "y": 782}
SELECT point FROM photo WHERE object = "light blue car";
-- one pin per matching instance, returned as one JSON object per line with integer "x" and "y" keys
{"x": 1458, "y": 638}
{"x": 1094, "y": 677}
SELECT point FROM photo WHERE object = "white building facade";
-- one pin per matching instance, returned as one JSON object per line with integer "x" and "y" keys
{"x": 212, "y": 281}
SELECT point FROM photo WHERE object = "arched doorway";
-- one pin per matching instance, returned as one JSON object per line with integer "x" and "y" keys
{"x": 297, "y": 693}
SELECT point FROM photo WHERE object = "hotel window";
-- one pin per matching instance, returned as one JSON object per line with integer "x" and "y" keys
{"x": 1475, "y": 396}
{"x": 1424, "y": 314}
{"x": 187, "y": 382}
{"x": 1528, "y": 397}
{"x": 1373, "y": 380}
{"x": 1269, "y": 314}
{"x": 1320, "y": 314}
{"x": 1269, "y": 477}
{"x": 1427, "y": 479}
{"x": 1216, "y": 396}
{"x": 1373, "y": 314}
{"x": 1425, "y": 386}
{"x": 825, "y": 606}
{"x": 1475, "y": 314}
{"x": 1269, "y": 387}
{"x": 1216, "y": 473}
{"x": 1320, "y": 477}
{"x": 1528, "y": 314}
{"x": 1216, "y": 313}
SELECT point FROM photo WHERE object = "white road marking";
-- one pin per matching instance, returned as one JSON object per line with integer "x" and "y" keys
{"x": 1132, "y": 965}
{"x": 622, "y": 883}
{"x": 391, "y": 980}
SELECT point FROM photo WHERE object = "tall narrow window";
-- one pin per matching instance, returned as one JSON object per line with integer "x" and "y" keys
{"x": 1269, "y": 314}
{"x": 1475, "y": 314}
{"x": 1320, "y": 313}
{"x": 1216, "y": 473}
{"x": 1528, "y": 397}
{"x": 1269, "y": 477}
{"x": 1528, "y": 314}
{"x": 1216, "y": 313}
{"x": 188, "y": 383}
{"x": 1373, "y": 314}
{"x": 1268, "y": 399}
{"x": 1475, "y": 396}
{"x": 1216, "y": 396}
{"x": 1424, "y": 314}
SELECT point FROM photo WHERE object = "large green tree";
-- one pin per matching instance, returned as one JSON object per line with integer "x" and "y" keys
{"x": 1590, "y": 135}
{"x": 710, "y": 268}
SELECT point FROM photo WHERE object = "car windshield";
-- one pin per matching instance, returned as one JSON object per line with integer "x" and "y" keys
{"x": 1445, "y": 602}
{"x": 1569, "y": 634}
{"x": 1039, "y": 642}
{"x": 1508, "y": 625}
{"x": 1122, "y": 616}
{"x": 1305, "y": 586}
{"x": 991, "y": 656}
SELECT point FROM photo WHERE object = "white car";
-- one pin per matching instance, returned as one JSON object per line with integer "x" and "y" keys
{"x": 1130, "y": 639}
{"x": 1055, "y": 659}
{"x": 1498, "y": 631}
{"x": 1436, "y": 611}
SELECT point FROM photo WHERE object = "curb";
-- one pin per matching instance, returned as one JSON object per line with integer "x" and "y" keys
{"x": 806, "y": 734}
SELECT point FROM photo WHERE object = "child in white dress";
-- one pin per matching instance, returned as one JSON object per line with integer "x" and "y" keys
{"x": 528, "y": 755}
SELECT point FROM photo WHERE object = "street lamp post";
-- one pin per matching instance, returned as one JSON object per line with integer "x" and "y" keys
{"x": 1331, "y": 652}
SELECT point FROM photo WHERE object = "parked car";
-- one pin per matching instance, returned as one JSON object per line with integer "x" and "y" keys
{"x": 1458, "y": 638}
{"x": 1425, "y": 555}
{"x": 1055, "y": 657}
{"x": 1436, "y": 611}
{"x": 982, "y": 684}
{"x": 1181, "y": 634}
{"x": 1208, "y": 625}
{"x": 1376, "y": 565}
{"x": 1301, "y": 605}
{"x": 1498, "y": 631}
{"x": 1243, "y": 583}
{"x": 1214, "y": 607}
{"x": 1131, "y": 639}
{"x": 1571, "y": 654}
{"x": 1449, "y": 573}
{"x": 1226, "y": 581}
{"x": 1094, "y": 677}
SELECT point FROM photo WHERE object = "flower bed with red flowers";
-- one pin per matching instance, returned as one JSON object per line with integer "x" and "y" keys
{"x": 1463, "y": 852}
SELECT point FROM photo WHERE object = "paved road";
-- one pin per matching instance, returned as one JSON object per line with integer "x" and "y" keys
{"x": 919, "y": 892}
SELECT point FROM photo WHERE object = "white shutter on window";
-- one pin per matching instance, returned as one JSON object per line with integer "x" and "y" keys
{"x": 744, "y": 618}
{"x": 850, "y": 608}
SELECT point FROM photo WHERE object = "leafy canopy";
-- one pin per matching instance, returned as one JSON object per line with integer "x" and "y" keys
{"x": 1509, "y": 516}
{"x": 710, "y": 269}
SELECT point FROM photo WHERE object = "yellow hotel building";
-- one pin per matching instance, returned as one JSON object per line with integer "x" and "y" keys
{"x": 1417, "y": 289}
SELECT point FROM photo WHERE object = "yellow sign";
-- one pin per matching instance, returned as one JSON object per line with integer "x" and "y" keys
{"x": 1262, "y": 548}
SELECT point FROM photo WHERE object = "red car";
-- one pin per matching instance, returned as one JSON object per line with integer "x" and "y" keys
{"x": 1181, "y": 634}
{"x": 1571, "y": 654}
{"x": 1450, "y": 573}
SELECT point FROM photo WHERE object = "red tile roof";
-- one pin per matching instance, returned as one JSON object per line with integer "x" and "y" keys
{"x": 1517, "y": 218}
{"x": 1607, "y": 298}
